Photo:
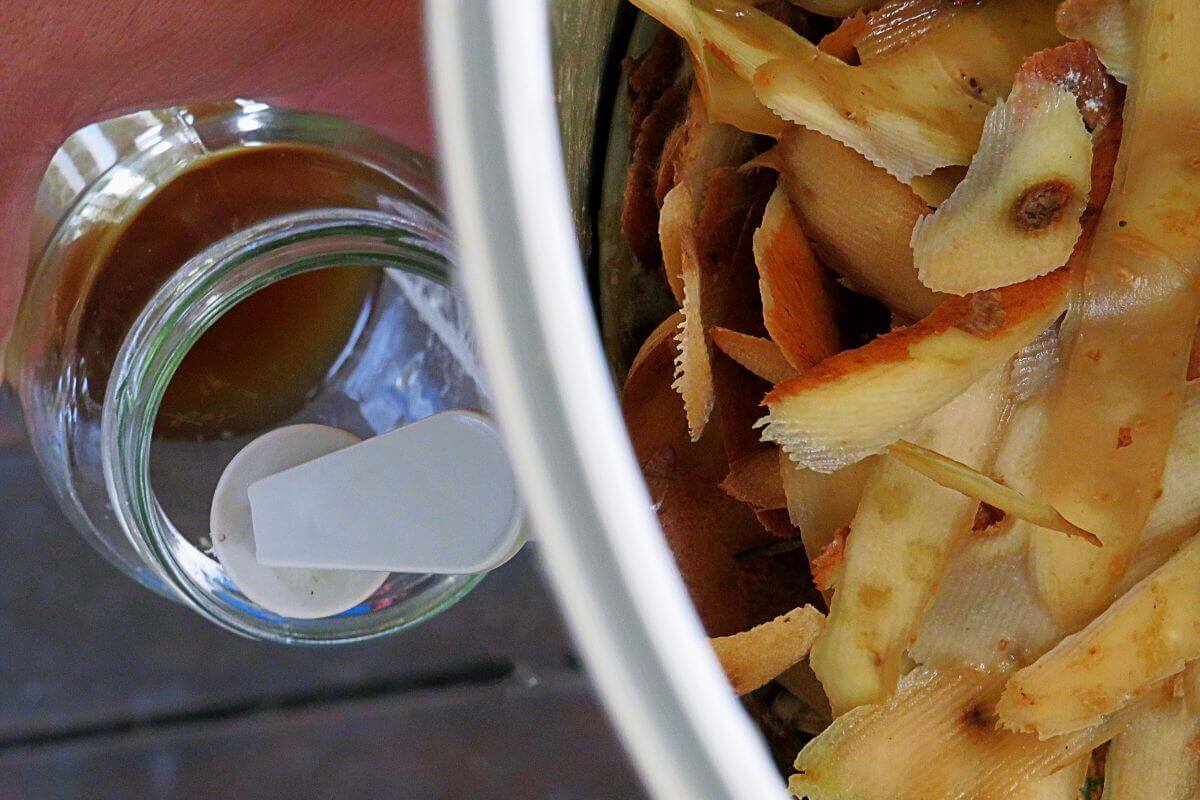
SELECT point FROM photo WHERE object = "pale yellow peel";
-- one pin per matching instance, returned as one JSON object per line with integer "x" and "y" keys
{"x": 921, "y": 106}
{"x": 934, "y": 739}
{"x": 1176, "y": 515}
{"x": 859, "y": 218}
{"x": 1155, "y": 756}
{"x": 837, "y": 8}
{"x": 1063, "y": 784}
{"x": 1190, "y": 680}
{"x": 858, "y": 402}
{"x": 675, "y": 221}
{"x": 901, "y": 24}
{"x": 1016, "y": 215}
{"x": 902, "y": 535}
{"x": 1145, "y": 636}
{"x": 987, "y": 613}
{"x": 728, "y": 97}
{"x": 924, "y": 110}
{"x": 983, "y": 43}
{"x": 708, "y": 149}
{"x": 955, "y": 475}
{"x": 704, "y": 146}
{"x": 753, "y": 657}
{"x": 935, "y": 188}
{"x": 820, "y": 504}
{"x": 909, "y": 119}
{"x": 1104, "y": 23}
{"x": 921, "y": 110}
{"x": 1129, "y": 333}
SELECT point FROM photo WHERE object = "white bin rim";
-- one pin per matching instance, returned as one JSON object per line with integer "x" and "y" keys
{"x": 522, "y": 270}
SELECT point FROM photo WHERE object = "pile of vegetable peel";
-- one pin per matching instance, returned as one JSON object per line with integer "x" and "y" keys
{"x": 922, "y": 433}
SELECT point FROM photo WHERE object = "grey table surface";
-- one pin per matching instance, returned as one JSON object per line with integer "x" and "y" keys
{"x": 108, "y": 691}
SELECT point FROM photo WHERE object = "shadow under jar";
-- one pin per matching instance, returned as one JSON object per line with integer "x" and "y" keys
{"x": 206, "y": 275}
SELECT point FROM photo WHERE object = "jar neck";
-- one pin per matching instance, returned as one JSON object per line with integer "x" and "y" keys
{"x": 413, "y": 240}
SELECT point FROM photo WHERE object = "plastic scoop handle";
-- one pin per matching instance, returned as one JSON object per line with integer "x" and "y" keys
{"x": 436, "y": 496}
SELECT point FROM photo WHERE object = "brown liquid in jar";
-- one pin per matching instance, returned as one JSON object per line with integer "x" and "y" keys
{"x": 263, "y": 359}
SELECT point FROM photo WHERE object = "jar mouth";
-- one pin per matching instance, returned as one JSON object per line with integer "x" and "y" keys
{"x": 181, "y": 310}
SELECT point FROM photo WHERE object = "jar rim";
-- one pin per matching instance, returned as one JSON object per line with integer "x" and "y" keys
{"x": 187, "y": 304}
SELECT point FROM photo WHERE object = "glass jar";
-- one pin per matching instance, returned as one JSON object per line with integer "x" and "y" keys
{"x": 95, "y": 346}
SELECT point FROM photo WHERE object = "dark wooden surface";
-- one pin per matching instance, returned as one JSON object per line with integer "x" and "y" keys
{"x": 109, "y": 691}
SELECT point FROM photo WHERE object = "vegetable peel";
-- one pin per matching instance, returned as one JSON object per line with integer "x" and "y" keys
{"x": 1128, "y": 334}
{"x": 934, "y": 739}
{"x": 755, "y": 480}
{"x": 754, "y": 657}
{"x": 860, "y": 401}
{"x": 799, "y": 310}
{"x": 902, "y": 535}
{"x": 703, "y": 527}
{"x": 1144, "y": 637}
{"x": 1017, "y": 213}
{"x": 961, "y": 478}
{"x": 760, "y": 356}
{"x": 859, "y": 218}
